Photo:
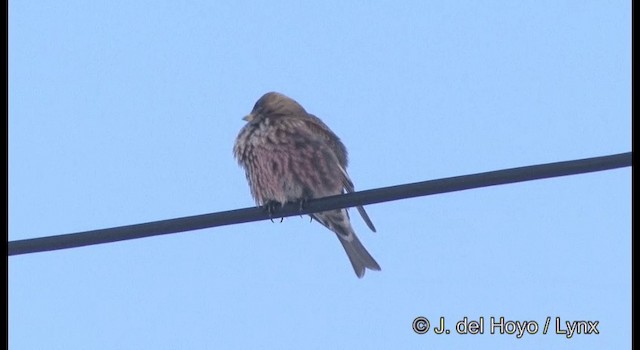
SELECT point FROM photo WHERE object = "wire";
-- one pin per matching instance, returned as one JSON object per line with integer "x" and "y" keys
{"x": 451, "y": 184}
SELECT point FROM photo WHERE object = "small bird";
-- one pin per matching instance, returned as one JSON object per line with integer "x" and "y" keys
{"x": 290, "y": 155}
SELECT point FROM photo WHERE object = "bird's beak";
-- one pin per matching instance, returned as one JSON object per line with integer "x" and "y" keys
{"x": 249, "y": 117}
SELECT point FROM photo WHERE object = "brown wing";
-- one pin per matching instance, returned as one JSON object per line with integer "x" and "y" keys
{"x": 319, "y": 127}
{"x": 348, "y": 185}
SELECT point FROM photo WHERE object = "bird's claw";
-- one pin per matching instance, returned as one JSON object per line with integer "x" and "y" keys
{"x": 303, "y": 204}
{"x": 272, "y": 207}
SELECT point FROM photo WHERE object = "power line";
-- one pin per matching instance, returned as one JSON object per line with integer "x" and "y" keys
{"x": 425, "y": 188}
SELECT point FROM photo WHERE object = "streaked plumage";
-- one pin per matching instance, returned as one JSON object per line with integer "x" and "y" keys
{"x": 290, "y": 155}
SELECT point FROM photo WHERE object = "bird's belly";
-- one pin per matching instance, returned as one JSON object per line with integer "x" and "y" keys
{"x": 273, "y": 179}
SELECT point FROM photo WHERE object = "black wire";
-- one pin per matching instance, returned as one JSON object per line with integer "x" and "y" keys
{"x": 379, "y": 195}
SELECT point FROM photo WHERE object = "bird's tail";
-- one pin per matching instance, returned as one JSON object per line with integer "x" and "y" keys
{"x": 338, "y": 222}
{"x": 358, "y": 255}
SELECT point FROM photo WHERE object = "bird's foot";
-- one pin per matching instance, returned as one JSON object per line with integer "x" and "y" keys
{"x": 272, "y": 207}
{"x": 302, "y": 204}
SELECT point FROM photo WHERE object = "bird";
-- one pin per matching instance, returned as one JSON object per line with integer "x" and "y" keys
{"x": 289, "y": 155}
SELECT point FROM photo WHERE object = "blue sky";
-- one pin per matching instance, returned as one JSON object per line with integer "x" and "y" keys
{"x": 123, "y": 112}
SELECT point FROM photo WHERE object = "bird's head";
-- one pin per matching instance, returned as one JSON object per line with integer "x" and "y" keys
{"x": 274, "y": 105}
